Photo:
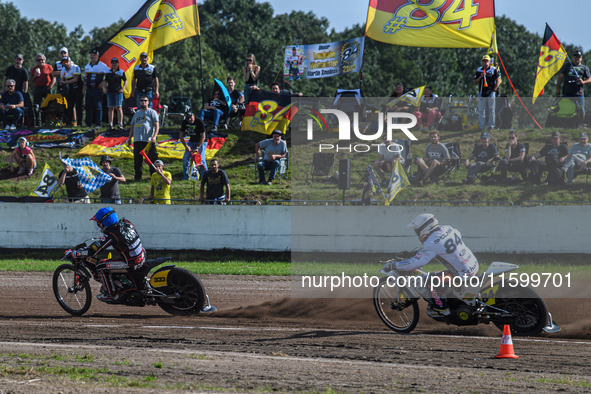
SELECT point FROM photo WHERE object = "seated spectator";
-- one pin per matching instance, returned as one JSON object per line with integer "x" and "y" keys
{"x": 483, "y": 154}
{"x": 23, "y": 157}
{"x": 237, "y": 97}
{"x": 578, "y": 158}
{"x": 74, "y": 188}
{"x": 436, "y": 154}
{"x": 160, "y": 184}
{"x": 110, "y": 190}
{"x": 215, "y": 179}
{"x": 429, "y": 110}
{"x": 555, "y": 155}
{"x": 215, "y": 109}
{"x": 11, "y": 106}
{"x": 398, "y": 105}
{"x": 388, "y": 154}
{"x": 274, "y": 149}
{"x": 514, "y": 158}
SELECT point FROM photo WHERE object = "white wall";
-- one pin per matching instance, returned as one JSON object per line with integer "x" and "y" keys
{"x": 557, "y": 229}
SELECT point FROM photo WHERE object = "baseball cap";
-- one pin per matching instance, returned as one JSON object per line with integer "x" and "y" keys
{"x": 94, "y": 50}
{"x": 583, "y": 135}
{"x": 277, "y": 132}
{"x": 484, "y": 135}
{"x": 19, "y": 56}
{"x": 577, "y": 53}
{"x": 485, "y": 57}
{"x": 143, "y": 54}
{"x": 64, "y": 49}
{"x": 159, "y": 163}
{"x": 115, "y": 60}
{"x": 556, "y": 134}
{"x": 106, "y": 158}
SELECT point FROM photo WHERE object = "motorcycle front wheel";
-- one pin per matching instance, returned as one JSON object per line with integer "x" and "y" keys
{"x": 529, "y": 310}
{"x": 395, "y": 307}
{"x": 186, "y": 293}
{"x": 71, "y": 289}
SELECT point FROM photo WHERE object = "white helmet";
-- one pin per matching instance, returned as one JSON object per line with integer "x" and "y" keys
{"x": 424, "y": 224}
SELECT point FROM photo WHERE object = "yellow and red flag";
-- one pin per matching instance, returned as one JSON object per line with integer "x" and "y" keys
{"x": 268, "y": 111}
{"x": 432, "y": 23}
{"x": 552, "y": 57}
{"x": 158, "y": 23}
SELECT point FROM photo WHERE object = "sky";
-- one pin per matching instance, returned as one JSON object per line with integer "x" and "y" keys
{"x": 569, "y": 19}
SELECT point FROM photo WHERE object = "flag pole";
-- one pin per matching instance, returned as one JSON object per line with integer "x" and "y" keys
{"x": 201, "y": 68}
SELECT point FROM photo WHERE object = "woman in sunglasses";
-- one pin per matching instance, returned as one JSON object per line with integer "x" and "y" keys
{"x": 42, "y": 77}
{"x": 251, "y": 75}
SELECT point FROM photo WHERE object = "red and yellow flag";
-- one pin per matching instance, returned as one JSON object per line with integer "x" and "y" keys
{"x": 552, "y": 57}
{"x": 432, "y": 23}
{"x": 158, "y": 23}
{"x": 268, "y": 111}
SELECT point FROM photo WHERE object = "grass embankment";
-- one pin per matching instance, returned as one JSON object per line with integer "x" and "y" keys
{"x": 236, "y": 158}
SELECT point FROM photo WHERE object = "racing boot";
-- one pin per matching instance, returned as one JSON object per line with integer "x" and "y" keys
{"x": 434, "y": 311}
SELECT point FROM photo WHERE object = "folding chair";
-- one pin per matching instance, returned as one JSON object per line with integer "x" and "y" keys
{"x": 564, "y": 112}
{"x": 516, "y": 171}
{"x": 322, "y": 166}
{"x": 282, "y": 172}
{"x": 451, "y": 166}
{"x": 178, "y": 106}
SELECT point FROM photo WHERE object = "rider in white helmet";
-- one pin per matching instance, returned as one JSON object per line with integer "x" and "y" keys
{"x": 442, "y": 244}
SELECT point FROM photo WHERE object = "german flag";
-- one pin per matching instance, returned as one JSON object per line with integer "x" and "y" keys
{"x": 441, "y": 23}
{"x": 268, "y": 111}
{"x": 158, "y": 23}
{"x": 552, "y": 57}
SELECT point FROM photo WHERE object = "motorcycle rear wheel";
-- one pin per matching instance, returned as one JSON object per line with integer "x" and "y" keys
{"x": 71, "y": 289}
{"x": 531, "y": 313}
{"x": 188, "y": 290}
{"x": 395, "y": 307}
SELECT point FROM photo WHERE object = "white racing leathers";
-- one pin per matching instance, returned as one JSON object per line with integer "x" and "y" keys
{"x": 445, "y": 245}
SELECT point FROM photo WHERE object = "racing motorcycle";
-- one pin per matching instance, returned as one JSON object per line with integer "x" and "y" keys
{"x": 175, "y": 290}
{"x": 492, "y": 300}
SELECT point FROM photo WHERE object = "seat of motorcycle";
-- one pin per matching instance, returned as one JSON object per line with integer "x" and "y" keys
{"x": 148, "y": 265}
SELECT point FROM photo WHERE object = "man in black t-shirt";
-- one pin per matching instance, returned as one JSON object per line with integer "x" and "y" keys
{"x": 514, "y": 158}
{"x": 483, "y": 154}
{"x": 215, "y": 179}
{"x": 145, "y": 81}
{"x": 74, "y": 188}
{"x": 488, "y": 79}
{"x": 555, "y": 154}
{"x": 19, "y": 74}
{"x": 110, "y": 190}
{"x": 194, "y": 128}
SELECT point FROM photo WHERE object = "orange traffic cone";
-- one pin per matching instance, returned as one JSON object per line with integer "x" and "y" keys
{"x": 506, "y": 350}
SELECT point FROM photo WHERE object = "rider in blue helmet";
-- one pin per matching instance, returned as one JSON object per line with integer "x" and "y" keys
{"x": 123, "y": 237}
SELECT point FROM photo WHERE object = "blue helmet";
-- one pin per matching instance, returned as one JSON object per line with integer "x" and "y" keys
{"x": 105, "y": 217}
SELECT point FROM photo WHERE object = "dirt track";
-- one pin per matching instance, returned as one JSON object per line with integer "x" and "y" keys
{"x": 260, "y": 339}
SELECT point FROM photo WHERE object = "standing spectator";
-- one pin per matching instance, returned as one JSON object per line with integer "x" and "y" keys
{"x": 71, "y": 86}
{"x": 215, "y": 179}
{"x": 23, "y": 157}
{"x": 488, "y": 79}
{"x": 145, "y": 80}
{"x": 215, "y": 109}
{"x": 42, "y": 77}
{"x": 274, "y": 149}
{"x": 251, "y": 72}
{"x": 388, "y": 154}
{"x": 435, "y": 155}
{"x": 514, "y": 158}
{"x": 429, "y": 109}
{"x": 75, "y": 190}
{"x": 237, "y": 98}
{"x": 11, "y": 106}
{"x": 57, "y": 69}
{"x": 116, "y": 83}
{"x": 110, "y": 190}
{"x": 483, "y": 154}
{"x": 94, "y": 74}
{"x": 195, "y": 129}
{"x": 144, "y": 128}
{"x": 575, "y": 75}
{"x": 160, "y": 184}
{"x": 20, "y": 76}
{"x": 578, "y": 158}
{"x": 555, "y": 155}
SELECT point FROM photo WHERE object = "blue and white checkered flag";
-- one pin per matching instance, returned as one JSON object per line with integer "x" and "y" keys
{"x": 91, "y": 176}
